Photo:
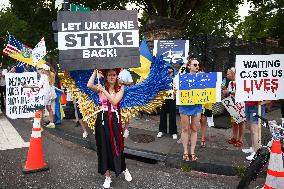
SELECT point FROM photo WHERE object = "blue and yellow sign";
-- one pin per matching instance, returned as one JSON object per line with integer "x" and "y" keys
{"x": 200, "y": 88}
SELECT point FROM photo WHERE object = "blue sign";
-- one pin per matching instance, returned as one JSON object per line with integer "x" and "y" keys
{"x": 173, "y": 51}
{"x": 197, "y": 81}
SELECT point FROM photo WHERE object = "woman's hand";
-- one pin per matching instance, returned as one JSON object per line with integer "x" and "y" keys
{"x": 100, "y": 88}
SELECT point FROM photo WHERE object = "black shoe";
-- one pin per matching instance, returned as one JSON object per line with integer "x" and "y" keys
{"x": 77, "y": 124}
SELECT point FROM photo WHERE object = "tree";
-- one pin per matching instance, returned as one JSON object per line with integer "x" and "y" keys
{"x": 265, "y": 20}
{"x": 10, "y": 22}
{"x": 39, "y": 15}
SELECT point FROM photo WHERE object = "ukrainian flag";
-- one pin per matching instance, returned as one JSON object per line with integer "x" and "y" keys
{"x": 200, "y": 88}
{"x": 19, "y": 51}
{"x": 145, "y": 60}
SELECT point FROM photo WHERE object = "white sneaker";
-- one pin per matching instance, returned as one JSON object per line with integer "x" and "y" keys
{"x": 85, "y": 134}
{"x": 126, "y": 133}
{"x": 50, "y": 125}
{"x": 251, "y": 156}
{"x": 160, "y": 134}
{"x": 248, "y": 150}
{"x": 107, "y": 182}
{"x": 175, "y": 136}
{"x": 127, "y": 175}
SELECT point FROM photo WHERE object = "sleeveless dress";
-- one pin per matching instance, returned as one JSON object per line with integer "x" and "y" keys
{"x": 109, "y": 155}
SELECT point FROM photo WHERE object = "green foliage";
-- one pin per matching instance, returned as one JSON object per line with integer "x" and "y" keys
{"x": 185, "y": 168}
{"x": 265, "y": 20}
{"x": 10, "y": 22}
{"x": 240, "y": 171}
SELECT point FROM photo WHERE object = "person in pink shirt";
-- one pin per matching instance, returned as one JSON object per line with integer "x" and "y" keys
{"x": 108, "y": 128}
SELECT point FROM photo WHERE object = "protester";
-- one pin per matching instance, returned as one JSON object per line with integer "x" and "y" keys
{"x": 2, "y": 86}
{"x": 81, "y": 122}
{"x": 168, "y": 107}
{"x": 188, "y": 112}
{"x": 252, "y": 122}
{"x": 206, "y": 112}
{"x": 237, "y": 128}
{"x": 108, "y": 127}
{"x": 125, "y": 78}
{"x": 45, "y": 83}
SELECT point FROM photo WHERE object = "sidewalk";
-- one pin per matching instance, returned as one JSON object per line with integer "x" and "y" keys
{"x": 218, "y": 157}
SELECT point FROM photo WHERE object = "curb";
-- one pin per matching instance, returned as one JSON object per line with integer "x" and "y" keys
{"x": 169, "y": 160}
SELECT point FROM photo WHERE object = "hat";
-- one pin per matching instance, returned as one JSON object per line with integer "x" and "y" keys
{"x": 44, "y": 67}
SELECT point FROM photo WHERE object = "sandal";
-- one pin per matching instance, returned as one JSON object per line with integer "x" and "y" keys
{"x": 232, "y": 141}
{"x": 193, "y": 157}
{"x": 238, "y": 143}
{"x": 185, "y": 157}
{"x": 203, "y": 143}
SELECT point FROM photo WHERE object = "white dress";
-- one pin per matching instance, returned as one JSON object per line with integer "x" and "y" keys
{"x": 45, "y": 86}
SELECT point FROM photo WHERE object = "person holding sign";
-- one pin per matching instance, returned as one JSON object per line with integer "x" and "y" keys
{"x": 252, "y": 122}
{"x": 45, "y": 83}
{"x": 238, "y": 128}
{"x": 108, "y": 127}
{"x": 188, "y": 112}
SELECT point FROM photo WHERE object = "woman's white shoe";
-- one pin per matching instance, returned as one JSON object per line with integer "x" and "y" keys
{"x": 85, "y": 134}
{"x": 127, "y": 175}
{"x": 107, "y": 182}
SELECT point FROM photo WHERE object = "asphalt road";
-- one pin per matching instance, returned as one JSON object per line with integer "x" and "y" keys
{"x": 72, "y": 166}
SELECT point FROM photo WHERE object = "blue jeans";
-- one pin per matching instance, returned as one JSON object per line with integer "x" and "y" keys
{"x": 253, "y": 110}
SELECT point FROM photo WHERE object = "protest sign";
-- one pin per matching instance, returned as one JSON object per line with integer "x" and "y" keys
{"x": 235, "y": 109}
{"x": 200, "y": 88}
{"x": 21, "y": 103}
{"x": 173, "y": 51}
{"x": 259, "y": 77}
{"x": 98, "y": 39}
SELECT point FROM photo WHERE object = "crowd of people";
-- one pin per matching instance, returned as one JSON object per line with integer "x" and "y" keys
{"x": 110, "y": 132}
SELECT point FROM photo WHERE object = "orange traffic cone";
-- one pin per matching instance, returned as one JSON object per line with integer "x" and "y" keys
{"x": 275, "y": 171}
{"x": 35, "y": 161}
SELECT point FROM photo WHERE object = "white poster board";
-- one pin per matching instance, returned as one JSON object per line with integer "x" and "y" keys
{"x": 235, "y": 109}
{"x": 20, "y": 102}
{"x": 259, "y": 77}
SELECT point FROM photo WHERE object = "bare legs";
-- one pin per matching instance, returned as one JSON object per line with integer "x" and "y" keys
{"x": 189, "y": 132}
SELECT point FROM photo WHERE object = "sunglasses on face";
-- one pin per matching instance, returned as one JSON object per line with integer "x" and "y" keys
{"x": 195, "y": 65}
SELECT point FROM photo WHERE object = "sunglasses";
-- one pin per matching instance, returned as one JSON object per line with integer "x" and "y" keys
{"x": 195, "y": 65}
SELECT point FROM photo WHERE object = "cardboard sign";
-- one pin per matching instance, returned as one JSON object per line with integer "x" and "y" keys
{"x": 173, "y": 51}
{"x": 200, "y": 88}
{"x": 235, "y": 109}
{"x": 98, "y": 39}
{"x": 259, "y": 77}
{"x": 20, "y": 102}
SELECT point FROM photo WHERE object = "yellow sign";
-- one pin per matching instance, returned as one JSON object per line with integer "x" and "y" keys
{"x": 197, "y": 96}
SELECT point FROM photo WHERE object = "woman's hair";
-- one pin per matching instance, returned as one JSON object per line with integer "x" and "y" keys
{"x": 232, "y": 69}
{"x": 50, "y": 75}
{"x": 116, "y": 85}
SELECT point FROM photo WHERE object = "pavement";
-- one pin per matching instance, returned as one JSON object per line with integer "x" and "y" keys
{"x": 218, "y": 157}
{"x": 73, "y": 166}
